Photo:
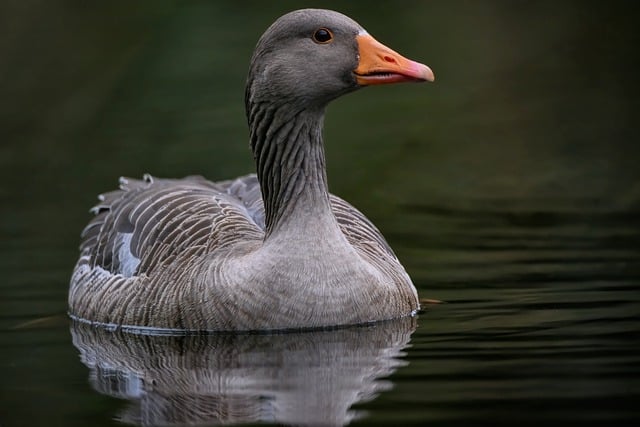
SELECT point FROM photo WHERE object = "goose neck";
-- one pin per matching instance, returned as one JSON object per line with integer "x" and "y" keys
{"x": 290, "y": 163}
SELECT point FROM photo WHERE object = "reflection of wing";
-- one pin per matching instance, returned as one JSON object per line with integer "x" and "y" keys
{"x": 309, "y": 378}
{"x": 146, "y": 224}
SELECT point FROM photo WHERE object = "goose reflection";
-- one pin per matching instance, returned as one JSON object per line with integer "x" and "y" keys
{"x": 305, "y": 378}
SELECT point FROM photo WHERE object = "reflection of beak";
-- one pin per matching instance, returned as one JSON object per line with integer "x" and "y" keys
{"x": 380, "y": 65}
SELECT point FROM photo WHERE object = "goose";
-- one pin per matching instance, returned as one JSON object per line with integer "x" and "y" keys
{"x": 267, "y": 251}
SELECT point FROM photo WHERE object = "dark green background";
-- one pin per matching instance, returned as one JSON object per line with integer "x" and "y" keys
{"x": 514, "y": 177}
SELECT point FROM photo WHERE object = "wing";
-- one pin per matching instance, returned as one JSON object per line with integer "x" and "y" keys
{"x": 360, "y": 232}
{"x": 148, "y": 223}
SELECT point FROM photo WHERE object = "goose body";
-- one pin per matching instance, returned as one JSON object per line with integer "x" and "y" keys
{"x": 273, "y": 250}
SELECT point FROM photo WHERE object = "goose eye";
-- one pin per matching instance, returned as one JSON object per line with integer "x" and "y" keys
{"x": 322, "y": 35}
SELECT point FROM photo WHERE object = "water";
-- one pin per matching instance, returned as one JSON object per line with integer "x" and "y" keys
{"x": 510, "y": 189}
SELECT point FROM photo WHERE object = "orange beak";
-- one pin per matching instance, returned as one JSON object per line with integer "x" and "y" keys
{"x": 380, "y": 65}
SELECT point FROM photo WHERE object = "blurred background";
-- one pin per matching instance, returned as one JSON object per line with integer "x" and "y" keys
{"x": 532, "y": 121}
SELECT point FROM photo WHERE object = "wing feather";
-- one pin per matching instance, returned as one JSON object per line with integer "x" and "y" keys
{"x": 359, "y": 231}
{"x": 148, "y": 223}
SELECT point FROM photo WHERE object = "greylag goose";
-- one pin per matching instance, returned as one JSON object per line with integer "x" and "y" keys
{"x": 268, "y": 251}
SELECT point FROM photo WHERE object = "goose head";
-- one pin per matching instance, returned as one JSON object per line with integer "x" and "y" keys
{"x": 309, "y": 57}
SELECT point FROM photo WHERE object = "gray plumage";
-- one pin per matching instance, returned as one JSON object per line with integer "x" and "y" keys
{"x": 268, "y": 251}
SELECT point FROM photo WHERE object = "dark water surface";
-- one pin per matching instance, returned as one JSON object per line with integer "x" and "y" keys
{"x": 510, "y": 189}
